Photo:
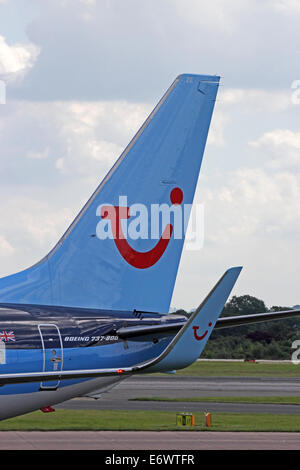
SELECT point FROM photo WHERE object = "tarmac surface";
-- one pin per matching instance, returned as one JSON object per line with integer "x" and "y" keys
{"x": 148, "y": 440}
{"x": 121, "y": 397}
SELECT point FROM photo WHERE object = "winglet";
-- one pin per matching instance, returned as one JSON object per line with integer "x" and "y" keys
{"x": 190, "y": 341}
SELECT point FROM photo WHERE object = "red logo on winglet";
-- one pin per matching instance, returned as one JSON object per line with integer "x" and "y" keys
{"x": 199, "y": 338}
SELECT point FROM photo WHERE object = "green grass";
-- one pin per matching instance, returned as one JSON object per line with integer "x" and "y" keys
{"x": 159, "y": 421}
{"x": 239, "y": 369}
{"x": 89, "y": 420}
{"x": 255, "y": 422}
{"x": 147, "y": 420}
{"x": 264, "y": 400}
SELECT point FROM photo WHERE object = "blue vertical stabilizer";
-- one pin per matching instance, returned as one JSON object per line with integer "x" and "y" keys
{"x": 112, "y": 256}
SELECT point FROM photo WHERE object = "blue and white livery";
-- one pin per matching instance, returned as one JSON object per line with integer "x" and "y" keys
{"x": 93, "y": 311}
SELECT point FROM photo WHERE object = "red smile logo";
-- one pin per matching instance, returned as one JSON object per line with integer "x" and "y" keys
{"x": 199, "y": 338}
{"x": 138, "y": 259}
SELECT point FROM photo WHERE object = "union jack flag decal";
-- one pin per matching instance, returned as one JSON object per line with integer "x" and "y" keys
{"x": 7, "y": 336}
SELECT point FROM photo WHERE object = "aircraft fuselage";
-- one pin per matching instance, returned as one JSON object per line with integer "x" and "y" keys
{"x": 45, "y": 339}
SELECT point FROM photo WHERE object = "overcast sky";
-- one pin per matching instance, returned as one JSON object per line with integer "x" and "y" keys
{"x": 82, "y": 75}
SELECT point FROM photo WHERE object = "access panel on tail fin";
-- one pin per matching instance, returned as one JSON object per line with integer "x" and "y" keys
{"x": 112, "y": 256}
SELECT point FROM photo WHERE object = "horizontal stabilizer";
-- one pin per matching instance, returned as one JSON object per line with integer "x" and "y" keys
{"x": 161, "y": 328}
{"x": 225, "y": 322}
{"x": 240, "y": 320}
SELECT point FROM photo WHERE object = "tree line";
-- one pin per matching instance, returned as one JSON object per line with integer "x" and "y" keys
{"x": 269, "y": 340}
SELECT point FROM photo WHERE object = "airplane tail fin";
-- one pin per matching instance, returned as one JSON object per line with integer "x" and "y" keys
{"x": 123, "y": 249}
